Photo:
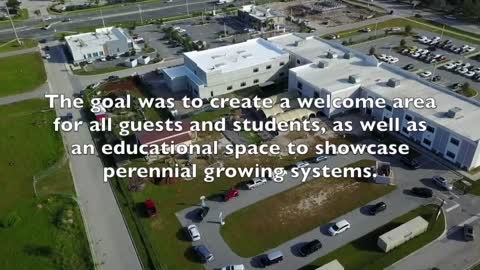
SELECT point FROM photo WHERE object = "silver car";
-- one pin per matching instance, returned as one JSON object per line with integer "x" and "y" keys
{"x": 442, "y": 182}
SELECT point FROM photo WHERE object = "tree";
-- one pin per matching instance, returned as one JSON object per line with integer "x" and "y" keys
{"x": 408, "y": 29}
{"x": 372, "y": 50}
{"x": 466, "y": 86}
{"x": 403, "y": 42}
{"x": 13, "y": 4}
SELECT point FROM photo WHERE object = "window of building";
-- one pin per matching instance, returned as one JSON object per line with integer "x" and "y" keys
{"x": 243, "y": 84}
{"x": 282, "y": 63}
{"x": 299, "y": 85}
{"x": 454, "y": 141}
{"x": 430, "y": 129}
{"x": 118, "y": 49}
{"x": 211, "y": 93}
{"x": 95, "y": 54}
{"x": 100, "y": 53}
{"x": 255, "y": 81}
{"x": 405, "y": 130}
{"x": 229, "y": 87}
{"x": 298, "y": 61}
{"x": 269, "y": 67}
{"x": 388, "y": 107}
{"x": 89, "y": 55}
{"x": 255, "y": 70}
{"x": 427, "y": 142}
{"x": 450, "y": 155}
{"x": 408, "y": 117}
{"x": 369, "y": 111}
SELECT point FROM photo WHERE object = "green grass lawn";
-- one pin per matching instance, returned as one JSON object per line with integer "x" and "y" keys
{"x": 13, "y": 45}
{"x": 44, "y": 232}
{"x": 470, "y": 92}
{"x": 211, "y": 115}
{"x": 275, "y": 219}
{"x": 363, "y": 253}
{"x": 20, "y": 17}
{"x": 21, "y": 73}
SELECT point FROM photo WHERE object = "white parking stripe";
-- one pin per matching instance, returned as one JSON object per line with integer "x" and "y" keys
{"x": 452, "y": 208}
{"x": 470, "y": 220}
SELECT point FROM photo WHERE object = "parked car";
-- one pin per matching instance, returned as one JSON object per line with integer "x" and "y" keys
{"x": 230, "y": 195}
{"x": 339, "y": 227}
{"x": 272, "y": 258}
{"x": 436, "y": 78}
{"x": 193, "y": 232}
{"x": 204, "y": 254}
{"x": 310, "y": 247}
{"x": 150, "y": 207}
{"x": 377, "y": 208}
{"x": 113, "y": 78}
{"x": 409, "y": 67}
{"x": 47, "y": 56}
{"x": 201, "y": 213}
{"x": 442, "y": 182}
{"x": 456, "y": 86}
{"x": 234, "y": 267}
{"x": 422, "y": 192}
{"x": 66, "y": 20}
{"x": 42, "y": 40}
{"x": 256, "y": 182}
{"x": 366, "y": 30}
{"x": 468, "y": 232}
{"x": 318, "y": 159}
{"x": 410, "y": 162}
{"x": 425, "y": 74}
{"x": 302, "y": 164}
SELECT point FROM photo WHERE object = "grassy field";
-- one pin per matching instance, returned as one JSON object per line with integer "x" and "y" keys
{"x": 416, "y": 23}
{"x": 21, "y": 17}
{"x": 21, "y": 73}
{"x": 363, "y": 253}
{"x": 275, "y": 219}
{"x": 13, "y": 45}
{"x": 44, "y": 232}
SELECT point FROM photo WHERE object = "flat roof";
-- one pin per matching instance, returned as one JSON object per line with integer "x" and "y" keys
{"x": 237, "y": 56}
{"x": 95, "y": 39}
{"x": 261, "y": 13}
{"x": 180, "y": 71}
{"x": 373, "y": 76}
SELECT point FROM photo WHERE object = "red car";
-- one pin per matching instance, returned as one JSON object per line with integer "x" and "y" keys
{"x": 230, "y": 195}
{"x": 151, "y": 209}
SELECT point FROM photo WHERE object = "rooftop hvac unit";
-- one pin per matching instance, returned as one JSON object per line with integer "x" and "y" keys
{"x": 331, "y": 55}
{"x": 454, "y": 112}
{"x": 393, "y": 82}
{"x": 354, "y": 79}
{"x": 299, "y": 43}
{"x": 322, "y": 64}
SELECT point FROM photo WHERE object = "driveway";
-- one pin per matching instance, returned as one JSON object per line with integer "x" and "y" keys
{"x": 399, "y": 204}
{"x": 113, "y": 249}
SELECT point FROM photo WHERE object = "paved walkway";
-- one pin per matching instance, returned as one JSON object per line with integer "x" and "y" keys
{"x": 38, "y": 93}
{"x": 17, "y": 52}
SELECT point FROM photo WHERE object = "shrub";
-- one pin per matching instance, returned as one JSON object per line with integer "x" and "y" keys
{"x": 10, "y": 220}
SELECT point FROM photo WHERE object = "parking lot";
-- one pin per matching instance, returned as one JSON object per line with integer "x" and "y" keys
{"x": 389, "y": 47}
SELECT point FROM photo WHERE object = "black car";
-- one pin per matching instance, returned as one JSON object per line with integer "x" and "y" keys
{"x": 377, "y": 208}
{"x": 456, "y": 86}
{"x": 410, "y": 162}
{"x": 436, "y": 78}
{"x": 409, "y": 67}
{"x": 422, "y": 192}
{"x": 201, "y": 213}
{"x": 113, "y": 78}
{"x": 42, "y": 40}
{"x": 310, "y": 248}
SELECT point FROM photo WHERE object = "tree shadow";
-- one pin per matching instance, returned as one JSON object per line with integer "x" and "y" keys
{"x": 38, "y": 250}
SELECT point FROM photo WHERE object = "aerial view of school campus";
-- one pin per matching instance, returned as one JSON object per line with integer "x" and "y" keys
{"x": 240, "y": 134}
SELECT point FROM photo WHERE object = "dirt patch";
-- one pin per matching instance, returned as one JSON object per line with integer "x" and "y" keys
{"x": 123, "y": 85}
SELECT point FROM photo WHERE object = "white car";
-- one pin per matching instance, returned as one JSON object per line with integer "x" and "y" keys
{"x": 302, "y": 164}
{"x": 234, "y": 267}
{"x": 319, "y": 159}
{"x": 256, "y": 182}
{"x": 442, "y": 182}
{"x": 470, "y": 49}
{"x": 47, "y": 56}
{"x": 339, "y": 227}
{"x": 469, "y": 74}
{"x": 425, "y": 74}
{"x": 181, "y": 30}
{"x": 415, "y": 55}
{"x": 450, "y": 66}
{"x": 393, "y": 60}
{"x": 193, "y": 232}
{"x": 382, "y": 57}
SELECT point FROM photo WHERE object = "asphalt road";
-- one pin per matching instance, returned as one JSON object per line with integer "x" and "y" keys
{"x": 113, "y": 249}
{"x": 398, "y": 203}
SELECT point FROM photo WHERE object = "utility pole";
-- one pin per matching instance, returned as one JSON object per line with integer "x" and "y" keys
{"x": 101, "y": 16}
{"x": 140, "y": 12}
{"x": 376, "y": 27}
{"x": 433, "y": 73}
{"x": 224, "y": 29}
{"x": 186, "y": 2}
{"x": 443, "y": 29}
{"x": 13, "y": 27}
